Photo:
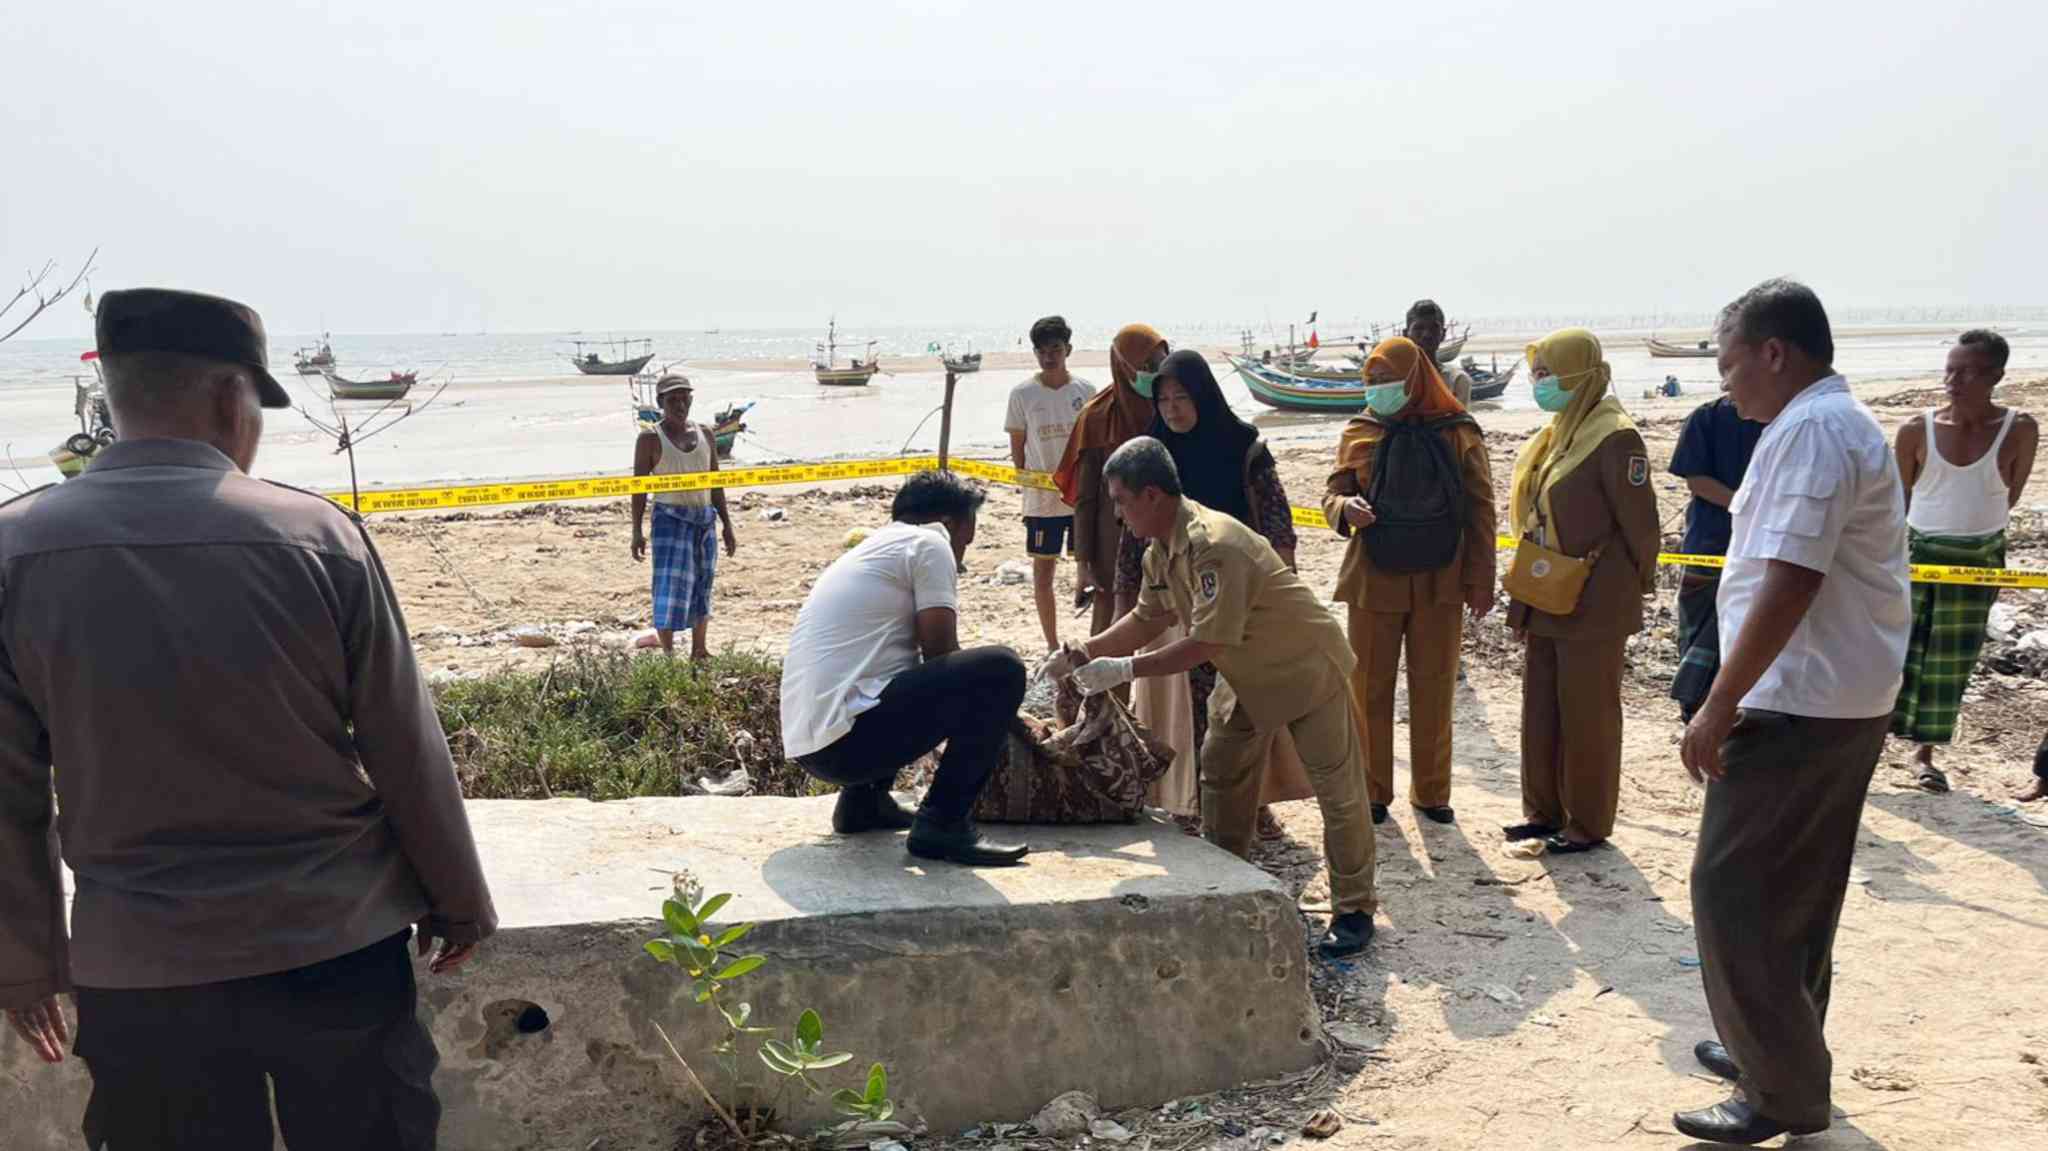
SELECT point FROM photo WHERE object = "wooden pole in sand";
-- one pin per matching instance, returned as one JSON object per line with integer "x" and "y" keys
{"x": 946, "y": 421}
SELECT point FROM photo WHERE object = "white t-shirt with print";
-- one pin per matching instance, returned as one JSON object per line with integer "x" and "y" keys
{"x": 1823, "y": 492}
{"x": 856, "y": 632}
{"x": 1046, "y": 417}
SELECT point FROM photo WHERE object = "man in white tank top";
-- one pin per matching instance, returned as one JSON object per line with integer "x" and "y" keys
{"x": 685, "y": 552}
{"x": 1964, "y": 465}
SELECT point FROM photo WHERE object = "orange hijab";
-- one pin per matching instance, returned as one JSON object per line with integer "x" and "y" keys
{"x": 1114, "y": 414}
{"x": 1428, "y": 396}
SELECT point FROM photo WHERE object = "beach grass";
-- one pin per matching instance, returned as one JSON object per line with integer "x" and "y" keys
{"x": 607, "y": 725}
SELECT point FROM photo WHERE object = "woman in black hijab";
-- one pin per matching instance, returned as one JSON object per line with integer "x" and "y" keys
{"x": 1224, "y": 466}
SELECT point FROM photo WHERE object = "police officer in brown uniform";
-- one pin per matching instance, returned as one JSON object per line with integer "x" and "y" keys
{"x": 1583, "y": 505}
{"x": 1283, "y": 659}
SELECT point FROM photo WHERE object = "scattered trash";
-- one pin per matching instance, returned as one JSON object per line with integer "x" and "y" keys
{"x": 2034, "y": 641}
{"x": 647, "y": 639}
{"x": 1525, "y": 849}
{"x": 1109, "y": 1131}
{"x": 738, "y": 783}
{"x": 1323, "y": 1124}
{"x": 886, "y": 1145}
{"x": 854, "y": 536}
{"x": 773, "y": 515}
{"x": 1859, "y": 876}
{"x": 531, "y": 636}
{"x": 1013, "y": 572}
{"x": 1503, "y": 995}
{"x": 1689, "y": 961}
{"x": 2002, "y": 621}
{"x": 1353, "y": 1035}
{"x": 1066, "y": 1116}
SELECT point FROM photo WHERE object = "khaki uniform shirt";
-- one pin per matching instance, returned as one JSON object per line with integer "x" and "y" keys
{"x": 1606, "y": 503}
{"x": 1283, "y": 651}
{"x": 249, "y": 774}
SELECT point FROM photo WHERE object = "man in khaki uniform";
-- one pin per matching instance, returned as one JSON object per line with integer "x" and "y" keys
{"x": 1284, "y": 661}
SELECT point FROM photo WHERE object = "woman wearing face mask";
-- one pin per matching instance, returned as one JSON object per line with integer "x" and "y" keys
{"x": 1111, "y": 416}
{"x": 1224, "y": 466}
{"x": 1421, "y": 523}
{"x": 1582, "y": 504}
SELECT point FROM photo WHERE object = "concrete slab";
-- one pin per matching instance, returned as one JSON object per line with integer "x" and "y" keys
{"x": 1131, "y": 961}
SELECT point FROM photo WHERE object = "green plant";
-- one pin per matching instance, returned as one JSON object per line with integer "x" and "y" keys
{"x": 702, "y": 953}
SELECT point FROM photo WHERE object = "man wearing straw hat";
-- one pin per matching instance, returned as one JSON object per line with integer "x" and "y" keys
{"x": 685, "y": 555}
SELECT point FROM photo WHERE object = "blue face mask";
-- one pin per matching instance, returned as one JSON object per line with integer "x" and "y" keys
{"x": 1550, "y": 396}
{"x": 1386, "y": 400}
{"x": 1143, "y": 383}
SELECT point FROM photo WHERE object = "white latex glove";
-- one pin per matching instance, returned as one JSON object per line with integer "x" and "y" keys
{"x": 1099, "y": 675}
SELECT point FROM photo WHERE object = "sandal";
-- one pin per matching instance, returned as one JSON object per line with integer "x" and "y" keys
{"x": 1560, "y": 844}
{"x": 1269, "y": 825}
{"x": 1933, "y": 780}
{"x": 1516, "y": 833}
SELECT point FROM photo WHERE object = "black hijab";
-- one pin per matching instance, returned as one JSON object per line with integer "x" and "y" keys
{"x": 1211, "y": 458}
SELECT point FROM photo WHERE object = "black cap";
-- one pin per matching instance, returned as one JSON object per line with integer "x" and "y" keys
{"x": 192, "y": 324}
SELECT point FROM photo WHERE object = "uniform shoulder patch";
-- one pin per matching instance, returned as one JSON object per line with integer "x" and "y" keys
{"x": 1638, "y": 471}
{"x": 1206, "y": 583}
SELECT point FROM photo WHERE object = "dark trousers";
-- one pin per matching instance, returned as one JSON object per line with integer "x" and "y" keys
{"x": 966, "y": 698}
{"x": 2041, "y": 759}
{"x": 1776, "y": 838}
{"x": 184, "y": 1068}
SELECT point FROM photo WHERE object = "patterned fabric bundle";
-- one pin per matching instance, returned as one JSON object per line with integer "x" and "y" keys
{"x": 1094, "y": 767}
{"x": 1948, "y": 632}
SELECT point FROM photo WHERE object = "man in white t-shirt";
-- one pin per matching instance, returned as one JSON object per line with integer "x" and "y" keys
{"x": 876, "y": 678}
{"x": 1815, "y": 612}
{"x": 1042, "y": 413}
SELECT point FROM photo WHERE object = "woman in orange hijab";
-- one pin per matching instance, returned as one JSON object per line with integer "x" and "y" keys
{"x": 1414, "y": 493}
{"x": 1117, "y": 413}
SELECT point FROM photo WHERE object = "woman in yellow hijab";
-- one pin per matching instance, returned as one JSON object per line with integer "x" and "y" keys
{"x": 1581, "y": 488}
{"x": 1402, "y": 601}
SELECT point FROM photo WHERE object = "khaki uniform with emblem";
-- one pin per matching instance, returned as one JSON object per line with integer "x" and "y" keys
{"x": 1571, "y": 689}
{"x": 1284, "y": 663}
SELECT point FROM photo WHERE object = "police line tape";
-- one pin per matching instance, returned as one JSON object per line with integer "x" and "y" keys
{"x": 443, "y": 497}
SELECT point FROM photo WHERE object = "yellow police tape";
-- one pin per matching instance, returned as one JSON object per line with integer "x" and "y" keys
{"x": 612, "y": 487}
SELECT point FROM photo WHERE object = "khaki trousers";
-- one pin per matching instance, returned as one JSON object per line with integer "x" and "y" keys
{"x": 1776, "y": 839}
{"x": 1432, "y": 634}
{"x": 1326, "y": 736}
{"x": 1571, "y": 732}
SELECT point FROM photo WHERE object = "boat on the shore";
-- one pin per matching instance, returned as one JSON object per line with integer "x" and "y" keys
{"x": 1663, "y": 350}
{"x": 963, "y": 364}
{"x": 1489, "y": 383}
{"x": 831, "y": 373}
{"x": 394, "y": 388}
{"x": 314, "y": 361}
{"x": 630, "y": 357}
{"x": 95, "y": 421}
{"x": 1292, "y": 392}
{"x": 726, "y": 424}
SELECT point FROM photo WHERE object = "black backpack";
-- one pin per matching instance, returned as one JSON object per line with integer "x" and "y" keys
{"x": 1417, "y": 495}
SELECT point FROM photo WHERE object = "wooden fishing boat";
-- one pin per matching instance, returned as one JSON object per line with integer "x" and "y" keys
{"x": 629, "y": 356}
{"x": 1448, "y": 353}
{"x": 962, "y": 365}
{"x": 1703, "y": 350}
{"x": 726, "y": 425}
{"x": 1292, "y": 392}
{"x": 394, "y": 388}
{"x": 1490, "y": 383}
{"x": 832, "y": 374}
{"x": 314, "y": 361}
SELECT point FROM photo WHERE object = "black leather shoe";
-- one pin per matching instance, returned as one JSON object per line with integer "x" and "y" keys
{"x": 1517, "y": 832}
{"x": 961, "y": 842}
{"x": 1348, "y": 935}
{"x": 869, "y": 809}
{"x": 1442, "y": 814}
{"x": 1734, "y": 1121}
{"x": 1716, "y": 1059}
{"x": 1379, "y": 813}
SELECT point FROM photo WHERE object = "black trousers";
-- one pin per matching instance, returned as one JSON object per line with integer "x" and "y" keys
{"x": 966, "y": 698}
{"x": 184, "y": 1068}
{"x": 2041, "y": 759}
{"x": 1776, "y": 839}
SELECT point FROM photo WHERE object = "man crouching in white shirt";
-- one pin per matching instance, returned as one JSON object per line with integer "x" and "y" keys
{"x": 1815, "y": 614}
{"x": 875, "y": 678}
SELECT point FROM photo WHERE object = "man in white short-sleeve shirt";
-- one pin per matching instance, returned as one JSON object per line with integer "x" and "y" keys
{"x": 1041, "y": 417}
{"x": 876, "y": 678}
{"x": 1815, "y": 611}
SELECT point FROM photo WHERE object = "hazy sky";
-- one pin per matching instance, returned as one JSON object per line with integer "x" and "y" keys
{"x": 373, "y": 166}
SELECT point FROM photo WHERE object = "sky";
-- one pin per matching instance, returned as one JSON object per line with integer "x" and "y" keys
{"x": 435, "y": 165}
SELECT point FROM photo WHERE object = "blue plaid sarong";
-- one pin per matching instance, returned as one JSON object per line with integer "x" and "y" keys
{"x": 685, "y": 557}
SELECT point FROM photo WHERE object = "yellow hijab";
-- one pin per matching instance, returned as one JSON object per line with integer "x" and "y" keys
{"x": 1573, "y": 356}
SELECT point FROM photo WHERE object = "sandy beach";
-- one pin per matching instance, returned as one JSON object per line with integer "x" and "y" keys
{"x": 1552, "y": 1003}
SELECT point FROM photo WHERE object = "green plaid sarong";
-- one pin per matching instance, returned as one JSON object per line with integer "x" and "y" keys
{"x": 1948, "y": 632}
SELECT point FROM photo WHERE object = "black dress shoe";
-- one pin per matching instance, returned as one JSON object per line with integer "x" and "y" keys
{"x": 1716, "y": 1059}
{"x": 1442, "y": 814}
{"x": 1517, "y": 832}
{"x": 1379, "y": 813}
{"x": 1735, "y": 1121}
{"x": 961, "y": 842}
{"x": 1562, "y": 844}
{"x": 869, "y": 808}
{"x": 1348, "y": 935}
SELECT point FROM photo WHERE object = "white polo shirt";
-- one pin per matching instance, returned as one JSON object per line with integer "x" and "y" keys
{"x": 1823, "y": 492}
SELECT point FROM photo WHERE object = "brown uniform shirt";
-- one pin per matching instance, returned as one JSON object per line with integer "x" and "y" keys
{"x": 250, "y": 777}
{"x": 1283, "y": 651}
{"x": 1607, "y": 503}
{"x": 1362, "y": 585}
